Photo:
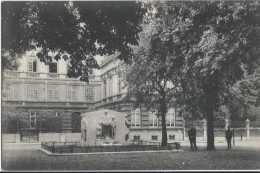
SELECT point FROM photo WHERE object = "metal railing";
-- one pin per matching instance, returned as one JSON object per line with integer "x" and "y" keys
{"x": 76, "y": 147}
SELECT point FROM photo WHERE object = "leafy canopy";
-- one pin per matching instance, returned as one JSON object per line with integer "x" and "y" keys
{"x": 79, "y": 30}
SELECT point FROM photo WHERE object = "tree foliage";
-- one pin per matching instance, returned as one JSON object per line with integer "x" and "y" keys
{"x": 79, "y": 30}
{"x": 154, "y": 74}
{"x": 210, "y": 45}
{"x": 244, "y": 102}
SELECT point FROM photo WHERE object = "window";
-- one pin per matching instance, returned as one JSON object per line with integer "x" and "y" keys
{"x": 104, "y": 89}
{"x": 89, "y": 92}
{"x": 53, "y": 67}
{"x": 170, "y": 117}
{"x": 154, "y": 121}
{"x": 32, "y": 66}
{"x": 10, "y": 92}
{"x": 172, "y": 137}
{"x": 33, "y": 92}
{"x": 119, "y": 84}
{"x": 32, "y": 119}
{"x": 76, "y": 122}
{"x": 110, "y": 86}
{"x": 136, "y": 117}
{"x": 154, "y": 138}
{"x": 136, "y": 138}
{"x": 107, "y": 88}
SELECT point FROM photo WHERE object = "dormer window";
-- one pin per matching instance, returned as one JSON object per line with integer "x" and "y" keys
{"x": 53, "y": 67}
{"x": 32, "y": 66}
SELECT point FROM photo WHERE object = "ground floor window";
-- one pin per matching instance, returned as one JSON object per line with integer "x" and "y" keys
{"x": 154, "y": 121}
{"x": 172, "y": 137}
{"x": 136, "y": 137}
{"x": 76, "y": 122}
{"x": 154, "y": 138}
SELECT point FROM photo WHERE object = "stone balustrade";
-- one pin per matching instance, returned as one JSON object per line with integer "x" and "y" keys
{"x": 45, "y": 87}
{"x": 17, "y": 74}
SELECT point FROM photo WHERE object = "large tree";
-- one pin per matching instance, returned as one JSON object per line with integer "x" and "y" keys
{"x": 219, "y": 44}
{"x": 153, "y": 73}
{"x": 228, "y": 50}
{"x": 79, "y": 30}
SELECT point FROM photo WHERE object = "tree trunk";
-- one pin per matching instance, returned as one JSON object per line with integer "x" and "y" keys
{"x": 211, "y": 101}
{"x": 163, "y": 110}
{"x": 210, "y": 131}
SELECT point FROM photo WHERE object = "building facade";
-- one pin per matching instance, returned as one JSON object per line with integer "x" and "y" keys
{"x": 41, "y": 98}
{"x": 144, "y": 124}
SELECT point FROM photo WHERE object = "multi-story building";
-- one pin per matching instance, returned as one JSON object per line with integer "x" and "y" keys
{"x": 145, "y": 125}
{"x": 39, "y": 97}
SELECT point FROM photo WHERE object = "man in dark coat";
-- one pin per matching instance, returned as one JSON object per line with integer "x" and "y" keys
{"x": 229, "y": 135}
{"x": 193, "y": 135}
{"x": 192, "y": 138}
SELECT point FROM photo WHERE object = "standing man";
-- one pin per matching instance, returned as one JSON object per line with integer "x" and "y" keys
{"x": 190, "y": 139}
{"x": 229, "y": 137}
{"x": 193, "y": 132}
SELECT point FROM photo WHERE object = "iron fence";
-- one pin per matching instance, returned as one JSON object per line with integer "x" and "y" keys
{"x": 76, "y": 147}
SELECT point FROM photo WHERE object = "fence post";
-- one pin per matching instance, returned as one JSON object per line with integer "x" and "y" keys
{"x": 226, "y": 123}
{"x": 247, "y": 128}
{"x": 204, "y": 129}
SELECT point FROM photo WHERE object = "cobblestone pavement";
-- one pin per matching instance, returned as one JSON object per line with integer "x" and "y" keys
{"x": 243, "y": 156}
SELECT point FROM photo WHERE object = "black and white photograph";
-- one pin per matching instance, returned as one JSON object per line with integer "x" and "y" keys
{"x": 140, "y": 85}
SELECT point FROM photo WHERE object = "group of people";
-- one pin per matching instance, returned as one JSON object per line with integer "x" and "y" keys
{"x": 192, "y": 137}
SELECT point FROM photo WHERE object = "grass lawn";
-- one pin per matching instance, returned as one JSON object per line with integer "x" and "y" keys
{"x": 238, "y": 158}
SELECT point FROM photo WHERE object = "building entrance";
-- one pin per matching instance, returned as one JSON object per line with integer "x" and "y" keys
{"x": 107, "y": 131}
